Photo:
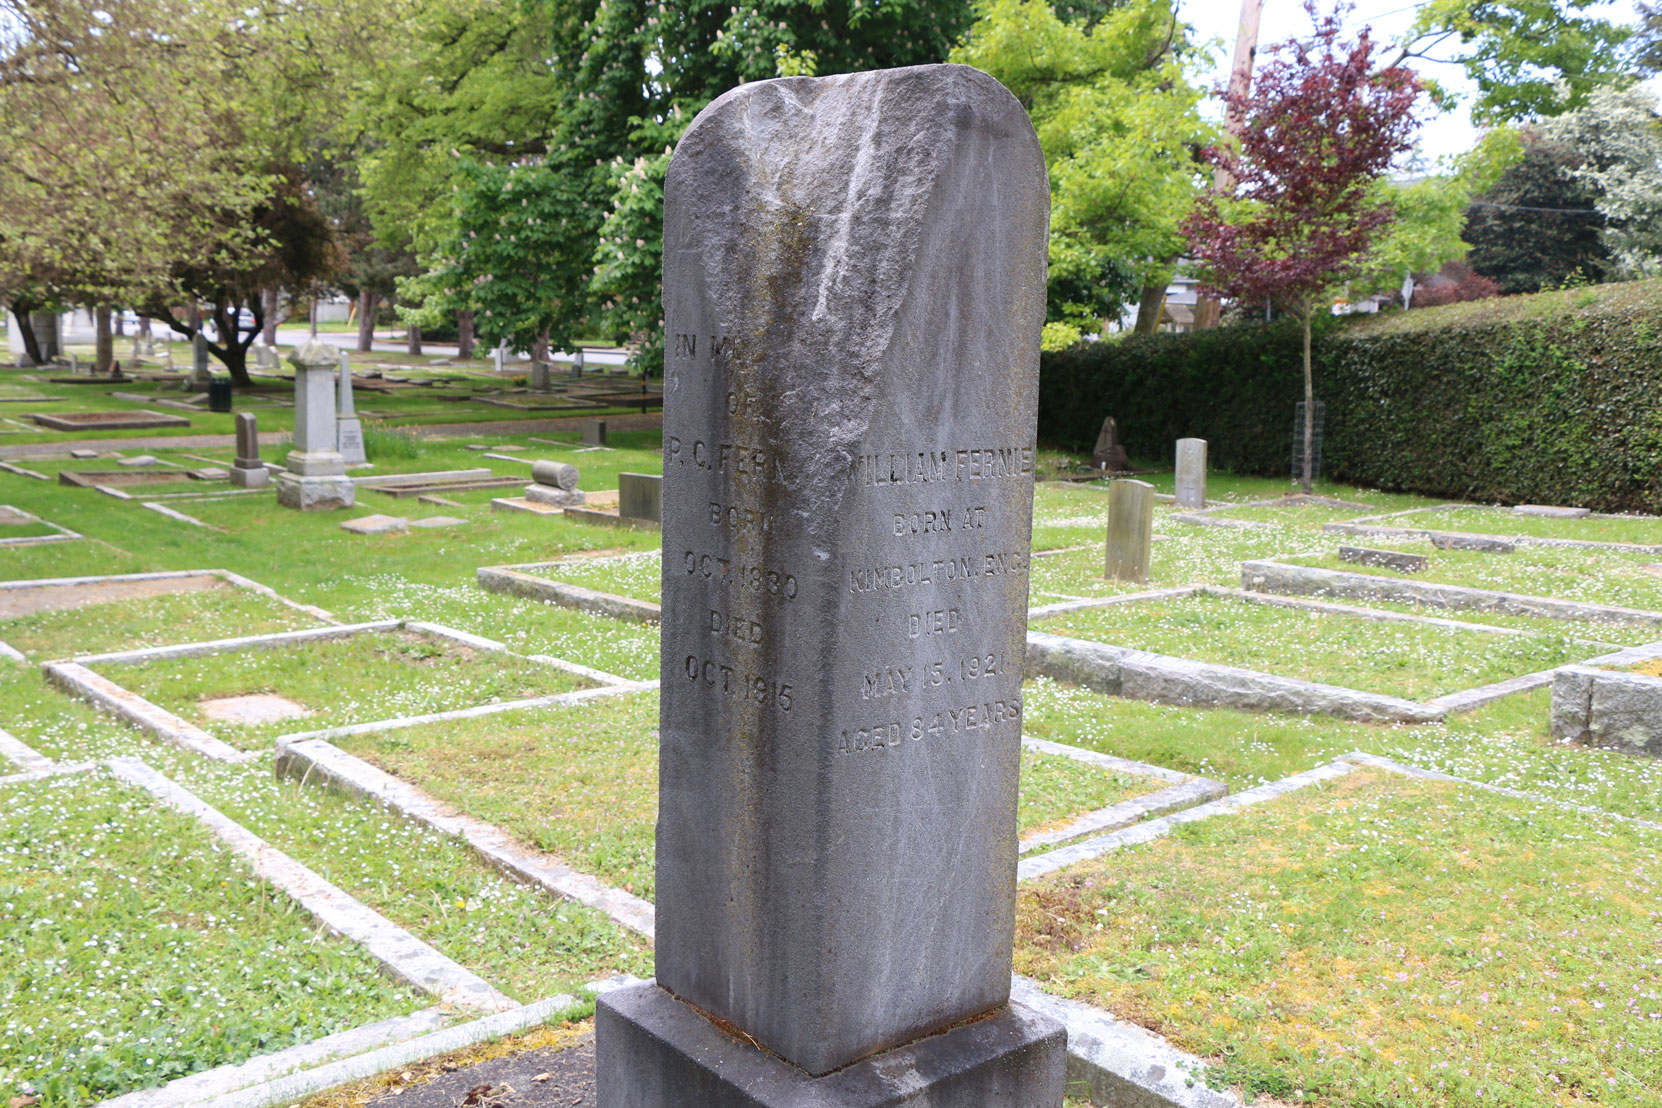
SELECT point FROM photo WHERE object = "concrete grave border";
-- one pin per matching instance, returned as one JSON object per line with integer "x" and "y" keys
{"x": 63, "y": 534}
{"x": 76, "y": 678}
{"x": 1274, "y": 575}
{"x": 512, "y": 580}
{"x": 235, "y": 580}
{"x": 1370, "y": 525}
{"x": 1184, "y": 791}
{"x": 1209, "y": 516}
{"x": 405, "y": 956}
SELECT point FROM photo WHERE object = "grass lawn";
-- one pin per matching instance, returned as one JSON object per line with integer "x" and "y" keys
{"x": 219, "y": 612}
{"x": 1398, "y": 659}
{"x": 1591, "y": 576}
{"x": 1501, "y": 521}
{"x": 355, "y": 680}
{"x": 582, "y": 782}
{"x": 1378, "y": 941}
{"x": 634, "y": 574}
{"x": 136, "y": 951}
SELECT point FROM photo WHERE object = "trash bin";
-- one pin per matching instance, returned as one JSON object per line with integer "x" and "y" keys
{"x": 219, "y": 394}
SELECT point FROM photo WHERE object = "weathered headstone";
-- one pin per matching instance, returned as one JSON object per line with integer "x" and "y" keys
{"x": 1130, "y": 530}
{"x": 640, "y": 496}
{"x": 200, "y": 377}
{"x": 594, "y": 432}
{"x": 1108, "y": 454}
{"x": 497, "y": 356}
{"x": 554, "y": 483}
{"x": 1191, "y": 473}
{"x": 316, "y": 479}
{"x": 349, "y": 430}
{"x": 539, "y": 377}
{"x": 248, "y": 471}
{"x": 577, "y": 363}
{"x": 854, "y": 276}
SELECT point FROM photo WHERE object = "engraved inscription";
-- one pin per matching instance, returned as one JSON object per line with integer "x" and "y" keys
{"x": 889, "y": 681}
{"x": 725, "y": 625}
{"x": 983, "y": 716}
{"x": 738, "y": 519}
{"x": 943, "y": 622}
{"x": 924, "y": 467}
{"x": 739, "y": 461}
{"x": 738, "y": 682}
{"x": 908, "y": 574}
{"x": 756, "y": 579}
{"x": 939, "y": 522}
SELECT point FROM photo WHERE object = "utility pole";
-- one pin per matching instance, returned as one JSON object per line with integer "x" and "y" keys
{"x": 1240, "y": 83}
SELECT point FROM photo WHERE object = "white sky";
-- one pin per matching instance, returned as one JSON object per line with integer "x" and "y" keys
{"x": 1449, "y": 133}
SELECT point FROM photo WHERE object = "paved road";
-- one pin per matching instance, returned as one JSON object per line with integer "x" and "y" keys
{"x": 294, "y": 336}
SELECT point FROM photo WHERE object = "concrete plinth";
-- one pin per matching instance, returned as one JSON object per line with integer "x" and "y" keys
{"x": 255, "y": 477}
{"x": 315, "y": 494}
{"x": 655, "y": 1051}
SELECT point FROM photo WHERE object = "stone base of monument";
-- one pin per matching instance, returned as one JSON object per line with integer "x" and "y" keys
{"x": 252, "y": 477}
{"x": 553, "y": 496}
{"x": 655, "y": 1050}
{"x": 315, "y": 494}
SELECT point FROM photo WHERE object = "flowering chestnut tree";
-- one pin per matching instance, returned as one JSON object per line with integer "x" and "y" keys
{"x": 1318, "y": 127}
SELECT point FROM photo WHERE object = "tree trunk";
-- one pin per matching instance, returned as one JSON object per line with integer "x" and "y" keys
{"x": 368, "y": 304}
{"x": 268, "y": 332}
{"x": 464, "y": 333}
{"x": 120, "y": 324}
{"x": 539, "y": 349}
{"x": 415, "y": 339}
{"x": 103, "y": 343}
{"x": 1151, "y": 307}
{"x": 1309, "y": 406}
{"x": 21, "y": 313}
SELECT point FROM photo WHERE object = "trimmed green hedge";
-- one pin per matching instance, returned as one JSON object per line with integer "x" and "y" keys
{"x": 1554, "y": 398}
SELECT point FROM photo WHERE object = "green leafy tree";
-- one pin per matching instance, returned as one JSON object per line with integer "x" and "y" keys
{"x": 1539, "y": 224}
{"x": 1528, "y": 58}
{"x": 1119, "y": 125}
{"x": 1618, "y": 138}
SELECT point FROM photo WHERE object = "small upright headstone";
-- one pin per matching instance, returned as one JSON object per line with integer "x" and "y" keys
{"x": 248, "y": 471}
{"x": 1191, "y": 473}
{"x": 594, "y": 432}
{"x": 640, "y": 496}
{"x": 539, "y": 377}
{"x": 844, "y": 603}
{"x": 349, "y": 430}
{"x": 497, "y": 357}
{"x": 1108, "y": 455}
{"x": 577, "y": 363}
{"x": 74, "y": 366}
{"x": 555, "y": 484}
{"x": 200, "y": 378}
{"x": 1130, "y": 530}
{"x": 316, "y": 474}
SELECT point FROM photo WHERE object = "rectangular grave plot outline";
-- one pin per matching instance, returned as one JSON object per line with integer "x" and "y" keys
{"x": 235, "y": 580}
{"x": 76, "y": 678}
{"x": 107, "y": 421}
{"x": 1373, "y": 526}
{"x": 60, "y": 533}
{"x": 1147, "y": 675}
{"x": 520, "y": 579}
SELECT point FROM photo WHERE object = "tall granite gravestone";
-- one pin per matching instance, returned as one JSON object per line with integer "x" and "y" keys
{"x": 349, "y": 430}
{"x": 854, "y": 284}
{"x": 200, "y": 378}
{"x": 316, "y": 479}
{"x": 1191, "y": 473}
{"x": 1130, "y": 530}
{"x": 248, "y": 471}
{"x": 1108, "y": 454}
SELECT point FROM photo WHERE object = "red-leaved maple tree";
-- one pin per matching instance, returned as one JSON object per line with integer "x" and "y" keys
{"x": 1319, "y": 125}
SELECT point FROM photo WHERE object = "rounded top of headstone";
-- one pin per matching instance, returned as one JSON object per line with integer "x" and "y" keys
{"x": 314, "y": 353}
{"x": 562, "y": 475}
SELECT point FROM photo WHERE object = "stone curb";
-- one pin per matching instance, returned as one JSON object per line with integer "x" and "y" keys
{"x": 1120, "y": 1064}
{"x": 232, "y": 646}
{"x": 384, "y": 480}
{"x": 56, "y": 769}
{"x": 76, "y": 680}
{"x": 479, "y": 642}
{"x": 1033, "y": 868}
{"x": 298, "y": 1086}
{"x": 1140, "y": 675}
{"x": 1357, "y": 757}
{"x": 500, "y": 579}
{"x": 208, "y": 1085}
{"x": 20, "y": 754}
{"x": 1108, "y": 761}
{"x": 1467, "y": 699}
{"x": 1359, "y": 527}
{"x": 336, "y": 768}
{"x": 180, "y": 516}
{"x": 1174, "y": 798}
{"x": 1378, "y": 615}
{"x": 409, "y": 958}
{"x": 234, "y": 579}
{"x": 64, "y": 534}
{"x": 1279, "y": 577}
{"x": 1046, "y": 610}
{"x": 400, "y": 722}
